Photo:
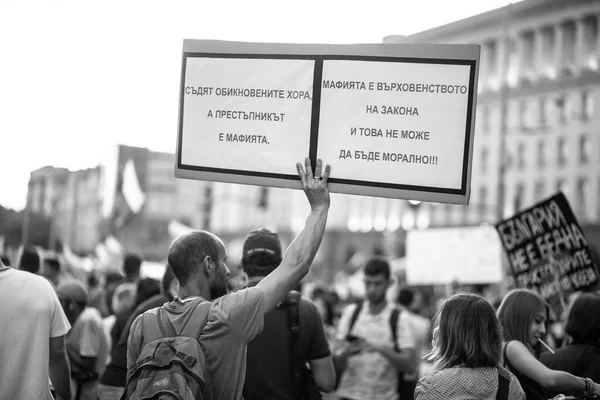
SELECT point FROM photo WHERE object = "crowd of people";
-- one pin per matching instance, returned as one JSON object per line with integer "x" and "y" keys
{"x": 197, "y": 335}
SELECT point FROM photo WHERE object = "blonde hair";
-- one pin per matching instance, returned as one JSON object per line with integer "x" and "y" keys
{"x": 467, "y": 333}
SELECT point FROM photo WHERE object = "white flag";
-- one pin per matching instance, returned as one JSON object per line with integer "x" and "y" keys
{"x": 132, "y": 191}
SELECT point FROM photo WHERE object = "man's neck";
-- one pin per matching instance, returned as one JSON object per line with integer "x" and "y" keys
{"x": 191, "y": 290}
{"x": 376, "y": 308}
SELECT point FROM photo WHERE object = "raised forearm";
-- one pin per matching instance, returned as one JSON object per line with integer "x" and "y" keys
{"x": 303, "y": 249}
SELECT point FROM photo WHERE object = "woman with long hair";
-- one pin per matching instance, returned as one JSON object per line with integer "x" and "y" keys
{"x": 524, "y": 315}
{"x": 582, "y": 356}
{"x": 467, "y": 354}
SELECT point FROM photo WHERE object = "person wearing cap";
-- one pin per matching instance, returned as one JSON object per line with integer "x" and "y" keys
{"x": 198, "y": 260}
{"x": 270, "y": 365}
{"x": 32, "y": 338}
{"x": 87, "y": 344}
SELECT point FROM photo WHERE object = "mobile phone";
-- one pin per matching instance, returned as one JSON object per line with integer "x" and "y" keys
{"x": 353, "y": 338}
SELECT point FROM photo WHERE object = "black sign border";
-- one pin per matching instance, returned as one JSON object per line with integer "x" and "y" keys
{"x": 315, "y": 114}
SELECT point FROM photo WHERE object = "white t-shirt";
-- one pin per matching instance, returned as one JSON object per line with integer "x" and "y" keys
{"x": 370, "y": 375}
{"x": 89, "y": 340}
{"x": 30, "y": 314}
{"x": 107, "y": 325}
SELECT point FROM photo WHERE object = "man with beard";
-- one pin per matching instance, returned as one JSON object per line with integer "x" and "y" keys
{"x": 198, "y": 260}
{"x": 368, "y": 356}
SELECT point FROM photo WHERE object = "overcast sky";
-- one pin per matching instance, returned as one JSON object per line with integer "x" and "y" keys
{"x": 79, "y": 77}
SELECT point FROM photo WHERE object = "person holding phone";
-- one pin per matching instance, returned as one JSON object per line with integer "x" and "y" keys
{"x": 374, "y": 347}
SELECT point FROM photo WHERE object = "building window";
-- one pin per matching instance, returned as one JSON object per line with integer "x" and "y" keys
{"x": 263, "y": 197}
{"x": 562, "y": 108}
{"x": 483, "y": 200}
{"x": 525, "y": 120}
{"x": 583, "y": 192}
{"x": 540, "y": 190}
{"x": 543, "y": 112}
{"x": 484, "y": 159}
{"x": 563, "y": 151}
{"x": 519, "y": 197}
{"x": 512, "y": 73}
{"x": 568, "y": 48}
{"x": 492, "y": 63}
{"x": 521, "y": 155}
{"x": 541, "y": 156}
{"x": 485, "y": 119}
{"x": 584, "y": 149}
{"x": 527, "y": 60}
{"x": 587, "y": 105}
{"x": 562, "y": 186}
{"x": 548, "y": 66}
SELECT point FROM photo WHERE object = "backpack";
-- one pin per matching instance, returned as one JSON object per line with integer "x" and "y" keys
{"x": 171, "y": 366}
{"x": 405, "y": 389}
{"x": 307, "y": 388}
{"x": 503, "y": 384}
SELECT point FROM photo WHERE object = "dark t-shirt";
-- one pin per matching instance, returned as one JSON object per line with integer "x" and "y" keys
{"x": 532, "y": 389}
{"x": 269, "y": 366}
{"x": 120, "y": 323}
{"x": 115, "y": 373}
{"x": 580, "y": 358}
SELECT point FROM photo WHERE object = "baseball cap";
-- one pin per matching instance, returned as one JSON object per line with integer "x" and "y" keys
{"x": 263, "y": 242}
{"x": 73, "y": 291}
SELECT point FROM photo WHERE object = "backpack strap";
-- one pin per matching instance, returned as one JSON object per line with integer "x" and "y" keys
{"x": 394, "y": 317}
{"x": 150, "y": 328}
{"x": 293, "y": 319}
{"x": 161, "y": 317}
{"x": 200, "y": 313}
{"x": 354, "y": 317}
{"x": 503, "y": 384}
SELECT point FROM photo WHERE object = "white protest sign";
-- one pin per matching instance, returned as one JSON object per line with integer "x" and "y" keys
{"x": 391, "y": 120}
{"x": 218, "y": 134}
{"x": 468, "y": 255}
{"x": 392, "y": 125}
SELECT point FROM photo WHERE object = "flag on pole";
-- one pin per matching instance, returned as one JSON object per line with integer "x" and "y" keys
{"x": 134, "y": 195}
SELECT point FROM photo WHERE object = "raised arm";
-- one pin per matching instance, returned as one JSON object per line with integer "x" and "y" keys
{"x": 523, "y": 361}
{"x": 298, "y": 257}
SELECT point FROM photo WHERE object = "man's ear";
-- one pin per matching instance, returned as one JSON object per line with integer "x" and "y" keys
{"x": 207, "y": 264}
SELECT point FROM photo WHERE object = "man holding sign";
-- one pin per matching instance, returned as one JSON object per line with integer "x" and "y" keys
{"x": 198, "y": 262}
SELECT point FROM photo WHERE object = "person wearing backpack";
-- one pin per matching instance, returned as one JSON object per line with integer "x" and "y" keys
{"x": 195, "y": 346}
{"x": 293, "y": 335}
{"x": 371, "y": 355}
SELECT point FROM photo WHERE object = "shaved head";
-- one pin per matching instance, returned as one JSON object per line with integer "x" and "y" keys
{"x": 189, "y": 250}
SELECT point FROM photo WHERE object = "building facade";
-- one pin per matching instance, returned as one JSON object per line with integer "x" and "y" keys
{"x": 538, "y": 108}
{"x": 70, "y": 201}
